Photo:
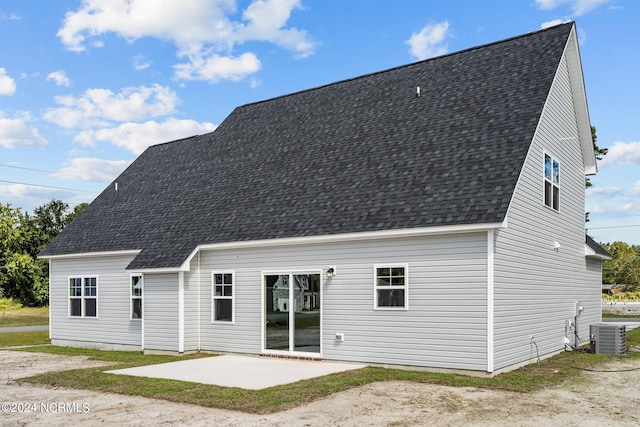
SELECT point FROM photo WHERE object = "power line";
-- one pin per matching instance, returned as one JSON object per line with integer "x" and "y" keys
{"x": 46, "y": 186}
{"x": 613, "y": 226}
{"x": 26, "y": 169}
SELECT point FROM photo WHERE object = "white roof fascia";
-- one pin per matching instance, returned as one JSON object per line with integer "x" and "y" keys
{"x": 345, "y": 237}
{"x": 92, "y": 254}
{"x": 180, "y": 269}
{"x": 576, "y": 77}
{"x": 590, "y": 253}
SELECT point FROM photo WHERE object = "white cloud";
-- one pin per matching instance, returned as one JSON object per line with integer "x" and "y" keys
{"x": 7, "y": 84}
{"x": 12, "y": 17}
{"x": 99, "y": 107}
{"x": 91, "y": 169}
{"x": 31, "y": 196}
{"x": 631, "y": 208}
{"x": 266, "y": 19}
{"x": 635, "y": 191}
{"x": 140, "y": 62}
{"x": 605, "y": 192}
{"x": 202, "y": 30}
{"x": 16, "y": 132}
{"x": 615, "y": 211}
{"x": 622, "y": 153}
{"x": 578, "y": 7}
{"x": 195, "y": 21}
{"x": 215, "y": 68}
{"x": 254, "y": 83}
{"x": 60, "y": 78}
{"x": 429, "y": 42}
{"x": 553, "y": 23}
{"x": 136, "y": 137}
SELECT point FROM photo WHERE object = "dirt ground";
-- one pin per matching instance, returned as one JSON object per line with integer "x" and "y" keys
{"x": 591, "y": 399}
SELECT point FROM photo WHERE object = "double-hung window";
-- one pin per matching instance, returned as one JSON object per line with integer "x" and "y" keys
{"x": 391, "y": 287}
{"x": 551, "y": 182}
{"x": 83, "y": 297}
{"x": 136, "y": 296}
{"x": 222, "y": 303}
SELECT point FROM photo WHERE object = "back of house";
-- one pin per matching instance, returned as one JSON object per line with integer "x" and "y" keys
{"x": 428, "y": 215}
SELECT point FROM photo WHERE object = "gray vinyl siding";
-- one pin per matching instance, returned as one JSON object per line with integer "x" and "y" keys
{"x": 113, "y": 325}
{"x": 191, "y": 312}
{"x": 592, "y": 296}
{"x": 161, "y": 312}
{"x": 445, "y": 325}
{"x": 536, "y": 286}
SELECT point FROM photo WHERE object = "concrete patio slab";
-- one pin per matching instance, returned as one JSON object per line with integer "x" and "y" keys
{"x": 248, "y": 372}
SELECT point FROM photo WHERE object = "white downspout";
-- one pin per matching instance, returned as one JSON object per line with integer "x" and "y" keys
{"x": 490, "y": 307}
{"x": 50, "y": 289}
{"x": 181, "y": 312}
{"x": 143, "y": 315}
{"x": 199, "y": 308}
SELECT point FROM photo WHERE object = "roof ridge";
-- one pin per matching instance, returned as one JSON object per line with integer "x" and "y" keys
{"x": 176, "y": 140}
{"x": 399, "y": 67}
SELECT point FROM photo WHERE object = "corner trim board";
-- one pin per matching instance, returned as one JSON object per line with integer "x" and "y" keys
{"x": 490, "y": 305}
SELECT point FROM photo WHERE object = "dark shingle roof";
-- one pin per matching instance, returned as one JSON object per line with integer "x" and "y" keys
{"x": 358, "y": 155}
{"x": 595, "y": 246}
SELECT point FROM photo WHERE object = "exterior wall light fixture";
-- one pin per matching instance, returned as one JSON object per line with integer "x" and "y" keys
{"x": 331, "y": 271}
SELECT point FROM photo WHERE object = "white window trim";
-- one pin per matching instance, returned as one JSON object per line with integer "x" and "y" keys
{"x": 82, "y": 298}
{"x": 545, "y": 180}
{"x": 406, "y": 286}
{"x": 132, "y": 297}
{"x": 232, "y": 297}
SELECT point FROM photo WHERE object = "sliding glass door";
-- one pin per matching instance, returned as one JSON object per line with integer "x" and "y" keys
{"x": 292, "y": 312}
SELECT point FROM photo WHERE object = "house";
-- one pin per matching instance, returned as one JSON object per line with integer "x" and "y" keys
{"x": 435, "y": 211}
{"x": 306, "y": 293}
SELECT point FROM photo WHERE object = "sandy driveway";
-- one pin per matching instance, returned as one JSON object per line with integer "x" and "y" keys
{"x": 591, "y": 399}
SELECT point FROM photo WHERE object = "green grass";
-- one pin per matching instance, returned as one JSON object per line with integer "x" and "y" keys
{"x": 10, "y": 339}
{"x": 125, "y": 358}
{"x": 620, "y": 316}
{"x": 529, "y": 378}
{"x": 633, "y": 337}
{"x": 13, "y": 314}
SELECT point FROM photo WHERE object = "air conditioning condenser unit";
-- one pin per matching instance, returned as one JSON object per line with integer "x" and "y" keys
{"x": 608, "y": 338}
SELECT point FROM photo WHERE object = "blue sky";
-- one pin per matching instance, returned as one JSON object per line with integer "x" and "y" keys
{"x": 86, "y": 86}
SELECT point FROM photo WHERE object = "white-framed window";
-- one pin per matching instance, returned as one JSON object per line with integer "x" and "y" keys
{"x": 551, "y": 182}
{"x": 391, "y": 286}
{"x": 136, "y": 296}
{"x": 222, "y": 304}
{"x": 83, "y": 297}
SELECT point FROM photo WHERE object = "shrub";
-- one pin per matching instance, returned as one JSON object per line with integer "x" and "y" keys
{"x": 8, "y": 304}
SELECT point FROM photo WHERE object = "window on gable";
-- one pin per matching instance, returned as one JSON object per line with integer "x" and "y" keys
{"x": 136, "y": 296}
{"x": 391, "y": 287}
{"x": 551, "y": 182}
{"x": 222, "y": 297}
{"x": 83, "y": 297}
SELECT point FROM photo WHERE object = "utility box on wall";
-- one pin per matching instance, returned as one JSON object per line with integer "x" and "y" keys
{"x": 608, "y": 338}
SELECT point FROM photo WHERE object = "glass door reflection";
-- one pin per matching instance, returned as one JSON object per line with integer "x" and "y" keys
{"x": 292, "y": 312}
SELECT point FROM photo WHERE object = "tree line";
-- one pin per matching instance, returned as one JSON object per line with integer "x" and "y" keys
{"x": 624, "y": 267}
{"x": 24, "y": 277}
